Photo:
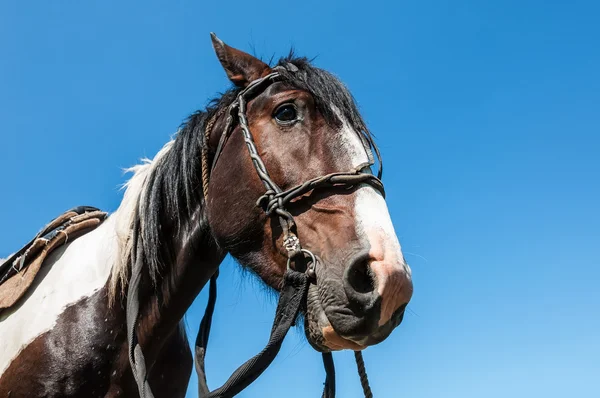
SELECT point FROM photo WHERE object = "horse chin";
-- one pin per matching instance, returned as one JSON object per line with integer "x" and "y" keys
{"x": 319, "y": 332}
{"x": 324, "y": 338}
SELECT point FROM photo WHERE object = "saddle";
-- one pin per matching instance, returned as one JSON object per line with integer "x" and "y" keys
{"x": 18, "y": 272}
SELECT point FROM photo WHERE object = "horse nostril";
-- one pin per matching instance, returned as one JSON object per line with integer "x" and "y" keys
{"x": 359, "y": 277}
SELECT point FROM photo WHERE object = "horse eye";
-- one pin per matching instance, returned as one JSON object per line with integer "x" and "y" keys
{"x": 286, "y": 114}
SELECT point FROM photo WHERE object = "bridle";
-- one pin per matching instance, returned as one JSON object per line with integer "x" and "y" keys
{"x": 295, "y": 284}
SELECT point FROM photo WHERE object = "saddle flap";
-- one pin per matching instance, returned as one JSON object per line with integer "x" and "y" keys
{"x": 19, "y": 271}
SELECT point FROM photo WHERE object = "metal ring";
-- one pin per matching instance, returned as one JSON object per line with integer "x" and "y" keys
{"x": 307, "y": 252}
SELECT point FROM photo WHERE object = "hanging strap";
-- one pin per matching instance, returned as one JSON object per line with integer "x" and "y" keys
{"x": 292, "y": 296}
{"x": 136, "y": 356}
{"x": 329, "y": 389}
{"x": 203, "y": 334}
{"x": 362, "y": 373}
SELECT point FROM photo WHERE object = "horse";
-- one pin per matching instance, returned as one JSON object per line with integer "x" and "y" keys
{"x": 192, "y": 204}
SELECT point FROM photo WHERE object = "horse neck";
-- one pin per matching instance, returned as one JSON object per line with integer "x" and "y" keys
{"x": 196, "y": 258}
{"x": 178, "y": 249}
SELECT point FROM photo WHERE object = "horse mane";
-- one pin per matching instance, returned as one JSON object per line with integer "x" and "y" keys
{"x": 168, "y": 188}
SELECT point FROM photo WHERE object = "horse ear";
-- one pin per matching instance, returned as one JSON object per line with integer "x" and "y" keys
{"x": 241, "y": 68}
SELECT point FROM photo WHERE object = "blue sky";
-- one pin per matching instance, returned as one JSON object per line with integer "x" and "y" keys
{"x": 487, "y": 116}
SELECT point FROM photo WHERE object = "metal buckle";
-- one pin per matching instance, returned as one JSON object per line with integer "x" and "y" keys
{"x": 313, "y": 260}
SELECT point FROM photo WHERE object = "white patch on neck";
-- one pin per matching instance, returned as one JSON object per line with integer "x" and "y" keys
{"x": 81, "y": 271}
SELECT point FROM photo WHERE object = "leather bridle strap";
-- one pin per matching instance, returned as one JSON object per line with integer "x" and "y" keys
{"x": 271, "y": 200}
{"x": 136, "y": 356}
{"x": 291, "y": 299}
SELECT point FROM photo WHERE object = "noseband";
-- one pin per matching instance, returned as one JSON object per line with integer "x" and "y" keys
{"x": 295, "y": 284}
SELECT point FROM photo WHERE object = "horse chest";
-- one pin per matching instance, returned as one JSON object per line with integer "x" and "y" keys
{"x": 77, "y": 357}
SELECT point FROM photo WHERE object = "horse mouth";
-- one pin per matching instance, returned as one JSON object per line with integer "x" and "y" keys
{"x": 319, "y": 332}
{"x": 323, "y": 337}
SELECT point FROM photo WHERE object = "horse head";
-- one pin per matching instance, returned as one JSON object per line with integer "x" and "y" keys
{"x": 305, "y": 124}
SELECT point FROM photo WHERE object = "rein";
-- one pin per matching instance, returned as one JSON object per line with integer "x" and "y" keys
{"x": 293, "y": 293}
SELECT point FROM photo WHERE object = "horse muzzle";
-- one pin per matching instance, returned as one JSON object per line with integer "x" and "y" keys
{"x": 358, "y": 309}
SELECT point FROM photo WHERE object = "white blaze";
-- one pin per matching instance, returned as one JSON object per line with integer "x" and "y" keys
{"x": 371, "y": 211}
{"x": 374, "y": 224}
